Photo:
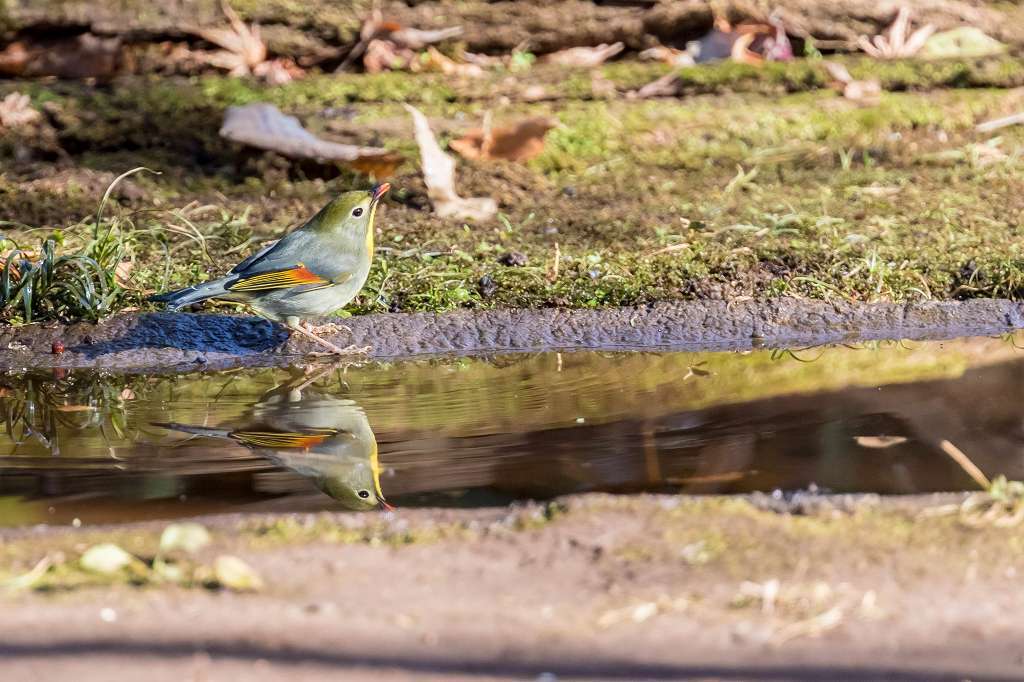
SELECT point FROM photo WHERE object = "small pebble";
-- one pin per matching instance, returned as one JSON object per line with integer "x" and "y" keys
{"x": 514, "y": 259}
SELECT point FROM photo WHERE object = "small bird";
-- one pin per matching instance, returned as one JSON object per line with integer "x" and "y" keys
{"x": 316, "y": 435}
{"x": 310, "y": 272}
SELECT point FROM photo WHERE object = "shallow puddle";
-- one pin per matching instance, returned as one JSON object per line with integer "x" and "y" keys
{"x": 468, "y": 432}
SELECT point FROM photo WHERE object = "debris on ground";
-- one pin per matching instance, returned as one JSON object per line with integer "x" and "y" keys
{"x": 387, "y": 45}
{"x": 264, "y": 126}
{"x": 898, "y": 42}
{"x": 584, "y": 57}
{"x": 863, "y": 91}
{"x": 965, "y": 42}
{"x": 439, "y": 176}
{"x": 520, "y": 141}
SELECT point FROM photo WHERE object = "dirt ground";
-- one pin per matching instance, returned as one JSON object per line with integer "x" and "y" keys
{"x": 173, "y": 341}
{"x": 591, "y": 587}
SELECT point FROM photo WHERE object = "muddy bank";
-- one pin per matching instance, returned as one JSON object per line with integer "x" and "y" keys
{"x": 647, "y": 587}
{"x": 163, "y": 341}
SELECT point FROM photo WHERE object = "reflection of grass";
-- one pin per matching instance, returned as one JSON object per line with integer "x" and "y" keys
{"x": 515, "y": 393}
{"x": 49, "y": 411}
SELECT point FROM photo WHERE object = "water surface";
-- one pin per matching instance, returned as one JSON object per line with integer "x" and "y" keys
{"x": 468, "y": 432}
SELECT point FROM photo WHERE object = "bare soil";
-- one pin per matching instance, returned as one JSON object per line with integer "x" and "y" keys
{"x": 631, "y": 588}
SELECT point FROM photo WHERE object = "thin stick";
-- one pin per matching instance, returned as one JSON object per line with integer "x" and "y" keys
{"x": 997, "y": 123}
{"x": 966, "y": 464}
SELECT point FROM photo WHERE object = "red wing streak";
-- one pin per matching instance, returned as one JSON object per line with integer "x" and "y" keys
{"x": 283, "y": 440}
{"x": 279, "y": 279}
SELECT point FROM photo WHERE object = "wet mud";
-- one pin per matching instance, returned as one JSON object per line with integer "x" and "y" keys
{"x": 181, "y": 341}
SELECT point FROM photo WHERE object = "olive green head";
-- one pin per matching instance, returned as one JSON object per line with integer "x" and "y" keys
{"x": 349, "y": 217}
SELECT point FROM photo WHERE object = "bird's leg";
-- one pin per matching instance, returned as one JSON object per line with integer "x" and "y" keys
{"x": 323, "y": 342}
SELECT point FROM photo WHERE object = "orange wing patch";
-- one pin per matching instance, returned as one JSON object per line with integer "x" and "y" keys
{"x": 279, "y": 279}
{"x": 283, "y": 440}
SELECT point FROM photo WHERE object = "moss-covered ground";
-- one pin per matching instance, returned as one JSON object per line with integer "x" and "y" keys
{"x": 754, "y": 182}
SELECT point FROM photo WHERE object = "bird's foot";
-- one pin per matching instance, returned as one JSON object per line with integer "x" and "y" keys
{"x": 331, "y": 348}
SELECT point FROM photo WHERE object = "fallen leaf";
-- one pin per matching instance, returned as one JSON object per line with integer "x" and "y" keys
{"x": 520, "y": 141}
{"x": 387, "y": 45}
{"x": 234, "y": 574}
{"x": 668, "y": 85}
{"x": 105, "y": 559}
{"x": 897, "y": 42}
{"x": 584, "y": 57}
{"x": 242, "y": 46}
{"x": 433, "y": 60}
{"x": 385, "y": 55}
{"x": 867, "y": 92}
{"x": 185, "y": 537}
{"x": 962, "y": 42}
{"x": 417, "y": 39}
{"x": 16, "y": 111}
{"x": 263, "y": 126}
{"x": 439, "y": 176}
{"x": 667, "y": 55}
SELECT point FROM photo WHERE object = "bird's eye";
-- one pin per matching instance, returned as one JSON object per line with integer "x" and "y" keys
{"x": 358, "y": 211}
{"x": 364, "y": 494}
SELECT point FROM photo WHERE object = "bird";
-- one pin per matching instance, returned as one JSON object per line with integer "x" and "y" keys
{"x": 310, "y": 272}
{"x": 313, "y": 433}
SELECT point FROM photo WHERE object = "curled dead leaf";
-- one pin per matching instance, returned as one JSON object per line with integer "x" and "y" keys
{"x": 520, "y": 141}
{"x": 263, "y": 126}
{"x": 439, "y": 176}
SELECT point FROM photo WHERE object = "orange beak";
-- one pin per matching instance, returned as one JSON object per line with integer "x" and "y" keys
{"x": 379, "y": 191}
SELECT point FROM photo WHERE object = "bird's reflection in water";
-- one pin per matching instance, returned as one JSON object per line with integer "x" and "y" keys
{"x": 314, "y": 434}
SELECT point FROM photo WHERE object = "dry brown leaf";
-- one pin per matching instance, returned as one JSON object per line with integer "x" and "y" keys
{"x": 439, "y": 176}
{"x": 434, "y": 60}
{"x": 385, "y": 45}
{"x": 384, "y": 55}
{"x": 584, "y": 57}
{"x": 521, "y": 141}
{"x": 263, "y": 126}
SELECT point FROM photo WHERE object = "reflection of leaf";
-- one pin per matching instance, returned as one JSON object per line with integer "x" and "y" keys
{"x": 234, "y": 574}
{"x": 26, "y": 581}
{"x": 105, "y": 558}
{"x": 263, "y": 126}
{"x": 187, "y": 537}
{"x": 520, "y": 141}
{"x": 879, "y": 442}
{"x": 75, "y": 408}
{"x": 439, "y": 176}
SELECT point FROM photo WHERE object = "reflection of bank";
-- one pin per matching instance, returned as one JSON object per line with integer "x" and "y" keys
{"x": 314, "y": 434}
